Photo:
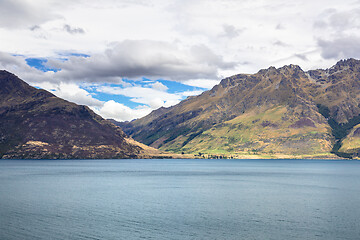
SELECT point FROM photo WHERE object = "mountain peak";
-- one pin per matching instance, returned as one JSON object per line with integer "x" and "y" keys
{"x": 7, "y": 77}
{"x": 267, "y": 70}
{"x": 348, "y": 62}
{"x": 292, "y": 67}
{"x": 36, "y": 124}
{"x": 345, "y": 64}
{"x": 276, "y": 110}
{"x": 11, "y": 84}
{"x": 6, "y": 72}
{"x": 287, "y": 69}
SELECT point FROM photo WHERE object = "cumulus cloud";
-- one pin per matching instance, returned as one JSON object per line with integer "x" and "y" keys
{"x": 120, "y": 112}
{"x": 191, "y": 93}
{"x": 69, "y": 91}
{"x": 17, "y": 65}
{"x": 35, "y": 27}
{"x": 150, "y": 99}
{"x": 107, "y": 109}
{"x": 9, "y": 61}
{"x": 178, "y": 40}
{"x": 345, "y": 47}
{"x": 23, "y": 14}
{"x": 338, "y": 33}
{"x": 281, "y": 44}
{"x": 230, "y": 31}
{"x": 158, "y": 86}
{"x": 202, "y": 83}
{"x": 301, "y": 56}
{"x": 153, "y": 97}
{"x": 150, "y": 96}
{"x": 74, "y": 93}
{"x": 338, "y": 21}
{"x": 279, "y": 27}
{"x": 73, "y": 30}
{"x": 128, "y": 59}
{"x": 137, "y": 58}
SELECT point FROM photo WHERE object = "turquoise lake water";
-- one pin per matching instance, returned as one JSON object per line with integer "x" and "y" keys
{"x": 179, "y": 199}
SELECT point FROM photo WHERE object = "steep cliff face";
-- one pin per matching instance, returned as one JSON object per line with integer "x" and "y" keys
{"x": 36, "y": 124}
{"x": 340, "y": 89}
{"x": 275, "y": 111}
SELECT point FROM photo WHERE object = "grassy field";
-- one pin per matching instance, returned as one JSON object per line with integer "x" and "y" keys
{"x": 270, "y": 133}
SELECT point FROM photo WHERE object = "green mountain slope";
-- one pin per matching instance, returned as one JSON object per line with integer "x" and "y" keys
{"x": 351, "y": 143}
{"x": 272, "y": 113}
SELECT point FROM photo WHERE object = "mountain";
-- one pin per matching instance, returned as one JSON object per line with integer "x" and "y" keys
{"x": 351, "y": 143}
{"x": 277, "y": 112}
{"x": 36, "y": 124}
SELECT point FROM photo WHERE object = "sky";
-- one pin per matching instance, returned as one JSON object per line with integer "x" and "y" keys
{"x": 125, "y": 58}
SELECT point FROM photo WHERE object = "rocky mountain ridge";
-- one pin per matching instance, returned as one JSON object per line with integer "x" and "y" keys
{"x": 275, "y": 112}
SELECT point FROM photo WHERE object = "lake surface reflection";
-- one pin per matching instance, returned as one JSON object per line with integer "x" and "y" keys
{"x": 179, "y": 199}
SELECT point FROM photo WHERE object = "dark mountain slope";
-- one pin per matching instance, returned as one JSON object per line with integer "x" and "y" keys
{"x": 36, "y": 124}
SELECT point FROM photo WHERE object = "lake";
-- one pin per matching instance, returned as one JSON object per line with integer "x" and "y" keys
{"x": 179, "y": 199}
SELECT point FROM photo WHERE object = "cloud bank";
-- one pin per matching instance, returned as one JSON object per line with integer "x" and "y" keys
{"x": 96, "y": 44}
{"x": 138, "y": 58}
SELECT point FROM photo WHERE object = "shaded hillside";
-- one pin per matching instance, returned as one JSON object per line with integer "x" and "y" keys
{"x": 272, "y": 112}
{"x": 351, "y": 143}
{"x": 36, "y": 124}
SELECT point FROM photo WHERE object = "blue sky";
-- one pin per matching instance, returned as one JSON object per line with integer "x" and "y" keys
{"x": 126, "y": 58}
{"x": 171, "y": 87}
{"x": 39, "y": 63}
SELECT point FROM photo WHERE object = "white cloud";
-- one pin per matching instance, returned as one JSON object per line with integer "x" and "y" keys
{"x": 159, "y": 86}
{"x": 144, "y": 95}
{"x": 338, "y": 21}
{"x": 120, "y": 112}
{"x": 17, "y": 65}
{"x": 23, "y": 14}
{"x": 74, "y": 93}
{"x": 154, "y": 98}
{"x": 138, "y": 58}
{"x": 106, "y": 109}
{"x": 232, "y": 31}
{"x": 345, "y": 47}
{"x": 202, "y": 83}
{"x": 195, "y": 42}
{"x": 151, "y": 97}
{"x": 73, "y": 30}
{"x": 191, "y": 93}
{"x": 338, "y": 33}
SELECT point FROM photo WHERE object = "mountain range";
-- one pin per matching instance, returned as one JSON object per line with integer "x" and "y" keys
{"x": 277, "y": 112}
